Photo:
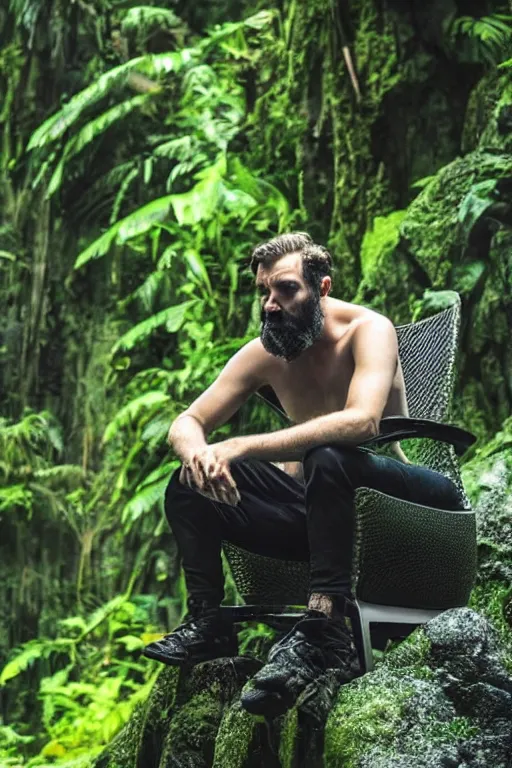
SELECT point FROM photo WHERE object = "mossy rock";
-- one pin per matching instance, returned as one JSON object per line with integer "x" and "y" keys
{"x": 179, "y": 723}
{"x": 440, "y": 699}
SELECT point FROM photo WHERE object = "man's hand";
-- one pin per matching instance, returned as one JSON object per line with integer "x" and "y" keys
{"x": 207, "y": 472}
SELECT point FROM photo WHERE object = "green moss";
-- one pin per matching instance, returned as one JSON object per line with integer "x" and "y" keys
{"x": 123, "y": 749}
{"x": 234, "y": 738}
{"x": 288, "y": 739}
{"x": 431, "y": 227}
{"x": 365, "y": 714}
{"x": 194, "y": 726}
{"x": 490, "y": 599}
{"x": 380, "y": 241}
{"x": 480, "y": 106}
{"x": 413, "y": 652}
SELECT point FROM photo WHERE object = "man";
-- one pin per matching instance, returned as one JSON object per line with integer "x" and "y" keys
{"x": 334, "y": 367}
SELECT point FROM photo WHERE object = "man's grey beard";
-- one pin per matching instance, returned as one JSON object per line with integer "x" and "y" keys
{"x": 285, "y": 335}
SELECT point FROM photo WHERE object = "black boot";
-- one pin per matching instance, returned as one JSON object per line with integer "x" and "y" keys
{"x": 316, "y": 644}
{"x": 204, "y": 635}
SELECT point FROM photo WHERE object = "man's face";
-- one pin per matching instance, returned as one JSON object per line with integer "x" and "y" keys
{"x": 291, "y": 315}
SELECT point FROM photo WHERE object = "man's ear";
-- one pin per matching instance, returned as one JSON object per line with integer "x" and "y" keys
{"x": 325, "y": 285}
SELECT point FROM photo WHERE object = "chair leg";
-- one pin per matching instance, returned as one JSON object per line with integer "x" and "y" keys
{"x": 367, "y": 644}
{"x": 357, "y": 630}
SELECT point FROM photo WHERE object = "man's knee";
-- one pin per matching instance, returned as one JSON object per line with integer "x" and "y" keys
{"x": 343, "y": 459}
{"x": 173, "y": 489}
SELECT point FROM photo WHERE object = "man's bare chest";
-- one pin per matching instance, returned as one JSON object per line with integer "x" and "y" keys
{"x": 314, "y": 387}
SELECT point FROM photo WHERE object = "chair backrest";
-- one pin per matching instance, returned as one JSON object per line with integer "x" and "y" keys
{"x": 428, "y": 350}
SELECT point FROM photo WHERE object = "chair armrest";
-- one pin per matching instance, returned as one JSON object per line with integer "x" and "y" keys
{"x": 393, "y": 428}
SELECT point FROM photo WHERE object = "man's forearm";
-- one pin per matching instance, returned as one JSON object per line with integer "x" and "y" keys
{"x": 290, "y": 444}
{"x": 186, "y": 434}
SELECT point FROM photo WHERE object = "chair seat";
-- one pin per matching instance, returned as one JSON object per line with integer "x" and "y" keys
{"x": 266, "y": 580}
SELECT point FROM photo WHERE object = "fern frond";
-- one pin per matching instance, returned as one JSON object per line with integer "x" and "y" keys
{"x": 123, "y": 189}
{"x": 102, "y": 613}
{"x": 131, "y": 412}
{"x": 152, "y": 64}
{"x": 180, "y": 148}
{"x": 90, "y": 131}
{"x": 149, "y": 493}
{"x": 137, "y": 223}
{"x": 144, "y": 501}
{"x": 29, "y": 652}
{"x": 33, "y": 429}
{"x": 489, "y": 37}
{"x": 54, "y": 126}
{"x": 61, "y": 472}
{"x": 173, "y": 317}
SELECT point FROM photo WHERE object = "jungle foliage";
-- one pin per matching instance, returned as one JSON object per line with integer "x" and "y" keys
{"x": 145, "y": 150}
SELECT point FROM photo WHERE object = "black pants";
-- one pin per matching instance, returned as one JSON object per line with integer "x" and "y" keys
{"x": 283, "y": 518}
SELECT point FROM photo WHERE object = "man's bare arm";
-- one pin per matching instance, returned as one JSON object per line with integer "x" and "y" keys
{"x": 242, "y": 375}
{"x": 186, "y": 431}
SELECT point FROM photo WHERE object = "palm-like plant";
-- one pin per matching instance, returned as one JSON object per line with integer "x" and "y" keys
{"x": 487, "y": 39}
{"x": 189, "y": 274}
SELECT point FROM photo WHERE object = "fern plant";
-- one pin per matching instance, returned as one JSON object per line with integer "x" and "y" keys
{"x": 91, "y": 682}
{"x": 487, "y": 39}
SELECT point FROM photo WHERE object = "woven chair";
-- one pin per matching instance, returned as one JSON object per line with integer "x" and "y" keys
{"x": 410, "y": 562}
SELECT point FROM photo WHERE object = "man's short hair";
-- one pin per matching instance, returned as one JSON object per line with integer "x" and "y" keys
{"x": 316, "y": 260}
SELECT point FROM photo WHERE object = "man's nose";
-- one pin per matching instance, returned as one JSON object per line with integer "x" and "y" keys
{"x": 271, "y": 305}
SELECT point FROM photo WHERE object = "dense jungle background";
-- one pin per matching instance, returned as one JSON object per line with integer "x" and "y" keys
{"x": 145, "y": 150}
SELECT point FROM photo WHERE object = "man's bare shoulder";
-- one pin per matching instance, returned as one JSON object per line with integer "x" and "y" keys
{"x": 356, "y": 313}
{"x": 358, "y": 323}
{"x": 373, "y": 331}
{"x": 256, "y": 357}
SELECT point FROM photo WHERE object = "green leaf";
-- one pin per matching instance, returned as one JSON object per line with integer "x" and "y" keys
{"x": 466, "y": 276}
{"x": 382, "y": 238}
{"x": 32, "y": 650}
{"x": 57, "y": 124}
{"x": 132, "y": 411}
{"x": 73, "y": 622}
{"x": 151, "y": 64}
{"x": 198, "y": 268}
{"x": 144, "y": 218}
{"x": 433, "y": 302}
{"x": 262, "y": 192}
{"x": 147, "y": 16}
{"x": 14, "y": 496}
{"x": 137, "y": 223}
{"x": 479, "y": 198}
{"x": 90, "y": 131}
{"x": 199, "y": 203}
{"x": 130, "y": 642}
{"x": 421, "y": 183}
{"x": 172, "y": 317}
{"x": 144, "y": 500}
